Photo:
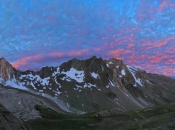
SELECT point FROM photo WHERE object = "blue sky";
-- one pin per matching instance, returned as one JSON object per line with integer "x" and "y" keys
{"x": 36, "y": 33}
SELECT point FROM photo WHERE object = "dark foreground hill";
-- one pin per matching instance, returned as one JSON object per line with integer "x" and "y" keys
{"x": 9, "y": 122}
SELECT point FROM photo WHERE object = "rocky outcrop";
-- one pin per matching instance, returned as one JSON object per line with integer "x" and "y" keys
{"x": 6, "y": 69}
{"x": 10, "y": 122}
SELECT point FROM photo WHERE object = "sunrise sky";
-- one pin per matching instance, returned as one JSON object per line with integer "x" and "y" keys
{"x": 36, "y": 33}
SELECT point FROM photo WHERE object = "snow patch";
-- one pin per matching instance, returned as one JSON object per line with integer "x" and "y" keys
{"x": 78, "y": 86}
{"x": 68, "y": 105}
{"x": 123, "y": 72}
{"x": 40, "y": 91}
{"x": 36, "y": 79}
{"x": 57, "y": 92}
{"x": 13, "y": 83}
{"x": 94, "y": 75}
{"x": 45, "y": 81}
{"x": 111, "y": 82}
{"x": 76, "y": 75}
{"x": 148, "y": 81}
{"x": 102, "y": 67}
{"x": 63, "y": 78}
{"x": 66, "y": 78}
{"x": 19, "y": 102}
{"x": 89, "y": 85}
{"x": 31, "y": 83}
{"x": 56, "y": 72}
{"x": 137, "y": 80}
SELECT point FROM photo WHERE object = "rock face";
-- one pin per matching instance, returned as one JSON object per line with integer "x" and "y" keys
{"x": 94, "y": 84}
{"x": 10, "y": 122}
{"x": 6, "y": 69}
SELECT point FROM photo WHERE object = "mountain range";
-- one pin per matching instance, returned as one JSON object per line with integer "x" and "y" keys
{"x": 82, "y": 86}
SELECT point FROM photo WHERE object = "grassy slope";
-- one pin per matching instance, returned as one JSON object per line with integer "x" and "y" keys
{"x": 160, "y": 117}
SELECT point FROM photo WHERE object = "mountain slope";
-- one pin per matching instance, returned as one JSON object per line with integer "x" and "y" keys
{"x": 10, "y": 122}
{"x": 80, "y": 86}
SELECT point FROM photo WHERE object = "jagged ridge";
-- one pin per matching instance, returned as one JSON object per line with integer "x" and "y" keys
{"x": 96, "y": 84}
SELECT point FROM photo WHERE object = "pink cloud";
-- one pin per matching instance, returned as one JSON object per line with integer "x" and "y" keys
{"x": 26, "y": 60}
{"x": 155, "y": 59}
{"x": 171, "y": 61}
{"x": 56, "y": 54}
{"x": 162, "y": 5}
{"x": 77, "y": 53}
{"x": 151, "y": 45}
{"x": 168, "y": 71}
{"x": 116, "y": 53}
{"x": 105, "y": 38}
{"x": 130, "y": 45}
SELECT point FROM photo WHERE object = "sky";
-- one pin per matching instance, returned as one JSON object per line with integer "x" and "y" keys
{"x": 36, "y": 33}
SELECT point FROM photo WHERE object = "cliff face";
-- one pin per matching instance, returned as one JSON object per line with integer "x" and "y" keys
{"x": 6, "y": 69}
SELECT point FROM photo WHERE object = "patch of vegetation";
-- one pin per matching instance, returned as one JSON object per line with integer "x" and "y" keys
{"x": 149, "y": 118}
{"x": 162, "y": 109}
{"x": 158, "y": 120}
{"x": 51, "y": 120}
{"x": 50, "y": 114}
{"x": 66, "y": 124}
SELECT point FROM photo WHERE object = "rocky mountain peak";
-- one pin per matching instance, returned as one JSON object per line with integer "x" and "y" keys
{"x": 92, "y": 63}
{"x": 6, "y": 69}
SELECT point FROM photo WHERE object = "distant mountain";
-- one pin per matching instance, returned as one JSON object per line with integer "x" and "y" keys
{"x": 80, "y": 86}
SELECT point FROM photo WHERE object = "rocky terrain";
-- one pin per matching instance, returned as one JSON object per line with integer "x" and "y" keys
{"x": 10, "y": 122}
{"x": 82, "y": 86}
{"x": 6, "y": 70}
{"x": 22, "y": 103}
